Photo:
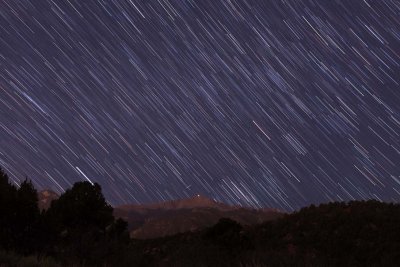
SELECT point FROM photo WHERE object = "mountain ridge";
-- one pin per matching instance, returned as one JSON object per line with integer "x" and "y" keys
{"x": 170, "y": 217}
{"x": 191, "y": 214}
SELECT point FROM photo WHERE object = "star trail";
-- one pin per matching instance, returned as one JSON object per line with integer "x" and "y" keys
{"x": 259, "y": 103}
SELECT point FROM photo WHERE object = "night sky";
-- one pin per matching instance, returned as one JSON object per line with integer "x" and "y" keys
{"x": 259, "y": 103}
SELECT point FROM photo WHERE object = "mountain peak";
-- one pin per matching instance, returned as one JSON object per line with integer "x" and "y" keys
{"x": 200, "y": 199}
{"x": 197, "y": 201}
{"x": 189, "y": 214}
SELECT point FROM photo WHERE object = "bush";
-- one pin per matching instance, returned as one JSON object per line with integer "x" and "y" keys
{"x": 9, "y": 259}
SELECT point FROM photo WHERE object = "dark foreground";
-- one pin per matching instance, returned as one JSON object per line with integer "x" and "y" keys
{"x": 79, "y": 230}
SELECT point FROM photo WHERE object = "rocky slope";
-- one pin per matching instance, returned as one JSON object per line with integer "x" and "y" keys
{"x": 171, "y": 217}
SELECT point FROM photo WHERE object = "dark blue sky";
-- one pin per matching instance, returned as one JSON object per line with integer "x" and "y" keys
{"x": 263, "y": 103}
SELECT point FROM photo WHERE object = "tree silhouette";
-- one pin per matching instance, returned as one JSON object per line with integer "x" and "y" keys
{"x": 78, "y": 221}
{"x": 19, "y": 216}
{"x": 78, "y": 228}
{"x": 26, "y": 218}
{"x": 7, "y": 210}
{"x": 82, "y": 206}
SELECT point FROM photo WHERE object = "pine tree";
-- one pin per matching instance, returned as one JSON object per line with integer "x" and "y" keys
{"x": 26, "y": 218}
{"x": 7, "y": 211}
{"x": 79, "y": 219}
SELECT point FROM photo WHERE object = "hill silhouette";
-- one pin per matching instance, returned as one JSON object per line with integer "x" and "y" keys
{"x": 191, "y": 214}
{"x": 358, "y": 233}
{"x": 78, "y": 228}
{"x": 177, "y": 216}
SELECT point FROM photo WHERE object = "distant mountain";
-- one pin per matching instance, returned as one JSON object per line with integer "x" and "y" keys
{"x": 45, "y": 198}
{"x": 177, "y": 216}
{"x": 197, "y": 201}
{"x": 357, "y": 234}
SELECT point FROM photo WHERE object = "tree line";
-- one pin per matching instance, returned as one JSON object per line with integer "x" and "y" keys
{"x": 78, "y": 228}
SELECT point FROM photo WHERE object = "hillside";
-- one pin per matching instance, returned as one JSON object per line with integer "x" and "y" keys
{"x": 177, "y": 216}
{"x": 80, "y": 230}
{"x": 353, "y": 234}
